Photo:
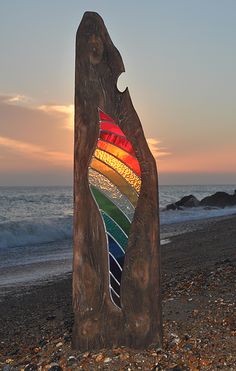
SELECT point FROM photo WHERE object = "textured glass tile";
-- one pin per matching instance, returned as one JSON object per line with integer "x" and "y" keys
{"x": 120, "y": 142}
{"x": 111, "y": 191}
{"x": 122, "y": 155}
{"x": 116, "y": 232}
{"x": 115, "y": 285}
{"x": 114, "y": 267}
{"x": 111, "y": 209}
{"x": 116, "y": 179}
{"x": 113, "y": 128}
{"x": 120, "y": 167}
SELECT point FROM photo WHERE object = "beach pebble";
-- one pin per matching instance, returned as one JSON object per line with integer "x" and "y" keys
{"x": 42, "y": 343}
{"x": 71, "y": 360}
{"x": 187, "y": 346}
{"x": 59, "y": 344}
{"x": 99, "y": 357}
{"x": 107, "y": 359}
{"x": 67, "y": 338}
{"x": 55, "y": 368}
{"x": 157, "y": 368}
{"x": 9, "y": 360}
{"x": 9, "y": 368}
{"x": 124, "y": 356}
{"x": 31, "y": 367}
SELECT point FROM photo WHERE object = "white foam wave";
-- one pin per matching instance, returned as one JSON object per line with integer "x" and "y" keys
{"x": 35, "y": 231}
{"x": 196, "y": 213}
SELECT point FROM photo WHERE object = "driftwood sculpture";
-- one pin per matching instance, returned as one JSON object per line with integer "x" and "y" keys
{"x": 116, "y": 273}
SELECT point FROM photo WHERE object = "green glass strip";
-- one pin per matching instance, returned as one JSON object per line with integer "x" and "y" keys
{"x": 115, "y": 231}
{"x": 102, "y": 183}
{"x": 111, "y": 209}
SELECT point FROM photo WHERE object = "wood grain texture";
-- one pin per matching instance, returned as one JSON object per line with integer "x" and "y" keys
{"x": 98, "y": 322}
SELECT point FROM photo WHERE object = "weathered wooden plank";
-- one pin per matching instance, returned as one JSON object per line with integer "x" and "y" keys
{"x": 99, "y": 322}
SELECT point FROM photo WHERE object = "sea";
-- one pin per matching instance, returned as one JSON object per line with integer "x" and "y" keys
{"x": 36, "y": 229}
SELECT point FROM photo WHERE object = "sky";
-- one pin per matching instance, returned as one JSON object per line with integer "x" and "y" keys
{"x": 179, "y": 56}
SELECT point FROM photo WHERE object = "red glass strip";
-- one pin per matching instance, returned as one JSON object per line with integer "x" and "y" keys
{"x": 122, "y": 155}
{"x": 118, "y": 141}
{"x": 104, "y": 117}
{"x": 113, "y": 128}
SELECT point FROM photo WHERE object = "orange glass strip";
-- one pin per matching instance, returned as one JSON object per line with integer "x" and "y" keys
{"x": 125, "y": 157}
{"x": 124, "y": 187}
{"x": 120, "y": 167}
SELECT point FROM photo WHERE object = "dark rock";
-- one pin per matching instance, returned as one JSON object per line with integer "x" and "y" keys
{"x": 172, "y": 207}
{"x": 186, "y": 201}
{"x": 219, "y": 199}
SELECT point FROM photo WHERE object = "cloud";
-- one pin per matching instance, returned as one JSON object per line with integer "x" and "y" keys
{"x": 53, "y": 157}
{"x": 45, "y": 125}
{"x": 32, "y": 137}
{"x": 157, "y": 151}
{"x": 14, "y": 99}
{"x": 67, "y": 111}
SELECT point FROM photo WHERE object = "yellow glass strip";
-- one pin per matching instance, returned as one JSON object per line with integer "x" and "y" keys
{"x": 122, "y": 155}
{"x": 120, "y": 167}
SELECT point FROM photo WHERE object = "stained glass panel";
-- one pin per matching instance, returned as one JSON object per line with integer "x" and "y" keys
{"x": 115, "y": 182}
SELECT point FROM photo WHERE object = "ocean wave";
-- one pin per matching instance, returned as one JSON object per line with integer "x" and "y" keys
{"x": 195, "y": 213}
{"x": 35, "y": 231}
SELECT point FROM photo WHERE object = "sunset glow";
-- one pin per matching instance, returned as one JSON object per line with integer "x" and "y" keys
{"x": 182, "y": 86}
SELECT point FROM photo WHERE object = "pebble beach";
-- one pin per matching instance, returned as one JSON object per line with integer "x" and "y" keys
{"x": 199, "y": 322}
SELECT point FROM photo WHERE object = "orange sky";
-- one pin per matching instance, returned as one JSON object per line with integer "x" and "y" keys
{"x": 40, "y": 137}
{"x": 180, "y": 62}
